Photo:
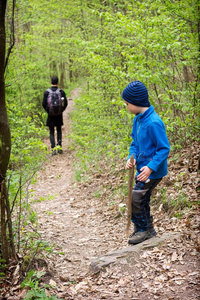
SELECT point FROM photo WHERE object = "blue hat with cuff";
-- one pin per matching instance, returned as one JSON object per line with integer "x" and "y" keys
{"x": 136, "y": 93}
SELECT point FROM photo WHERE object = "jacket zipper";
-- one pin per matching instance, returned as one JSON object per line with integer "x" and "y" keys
{"x": 137, "y": 137}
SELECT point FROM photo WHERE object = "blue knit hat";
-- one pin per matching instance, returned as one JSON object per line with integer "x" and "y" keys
{"x": 136, "y": 93}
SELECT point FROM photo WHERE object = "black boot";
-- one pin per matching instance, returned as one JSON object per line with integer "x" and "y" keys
{"x": 138, "y": 237}
{"x": 134, "y": 231}
{"x": 151, "y": 229}
{"x": 53, "y": 151}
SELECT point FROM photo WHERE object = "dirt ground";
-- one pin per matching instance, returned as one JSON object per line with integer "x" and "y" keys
{"x": 83, "y": 227}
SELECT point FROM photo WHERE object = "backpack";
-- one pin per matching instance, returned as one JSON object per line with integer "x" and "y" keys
{"x": 54, "y": 102}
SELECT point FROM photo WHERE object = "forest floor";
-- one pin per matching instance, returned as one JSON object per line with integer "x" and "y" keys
{"x": 82, "y": 225}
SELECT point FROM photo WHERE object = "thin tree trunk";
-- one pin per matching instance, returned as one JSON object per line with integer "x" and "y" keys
{"x": 4, "y": 242}
{"x": 9, "y": 219}
{"x": 5, "y": 138}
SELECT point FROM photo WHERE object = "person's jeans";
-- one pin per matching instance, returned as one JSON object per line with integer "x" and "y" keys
{"x": 141, "y": 203}
{"x": 52, "y": 137}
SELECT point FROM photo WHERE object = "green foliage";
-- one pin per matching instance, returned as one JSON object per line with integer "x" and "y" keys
{"x": 107, "y": 45}
{"x": 174, "y": 206}
{"x": 155, "y": 42}
{"x": 31, "y": 278}
{"x": 49, "y": 213}
{"x": 98, "y": 134}
{"x": 33, "y": 217}
{"x": 2, "y": 270}
{"x": 32, "y": 282}
{"x": 48, "y": 198}
{"x": 33, "y": 244}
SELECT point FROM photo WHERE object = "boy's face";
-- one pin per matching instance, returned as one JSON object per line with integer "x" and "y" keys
{"x": 133, "y": 108}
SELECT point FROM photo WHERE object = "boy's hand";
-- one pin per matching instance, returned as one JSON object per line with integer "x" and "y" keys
{"x": 129, "y": 164}
{"x": 145, "y": 173}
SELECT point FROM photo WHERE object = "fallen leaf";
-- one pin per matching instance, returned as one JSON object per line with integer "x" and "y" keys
{"x": 174, "y": 256}
{"x": 52, "y": 282}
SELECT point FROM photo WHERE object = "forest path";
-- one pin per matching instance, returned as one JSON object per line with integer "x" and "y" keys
{"x": 69, "y": 215}
{"x": 84, "y": 227}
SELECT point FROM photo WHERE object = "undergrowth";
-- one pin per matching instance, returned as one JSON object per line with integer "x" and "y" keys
{"x": 101, "y": 139}
{"x": 32, "y": 282}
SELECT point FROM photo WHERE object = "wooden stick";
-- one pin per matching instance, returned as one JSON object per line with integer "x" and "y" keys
{"x": 130, "y": 189}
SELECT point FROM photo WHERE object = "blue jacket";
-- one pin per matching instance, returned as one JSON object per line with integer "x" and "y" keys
{"x": 150, "y": 144}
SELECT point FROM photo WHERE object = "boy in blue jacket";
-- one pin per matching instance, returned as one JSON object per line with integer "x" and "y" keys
{"x": 150, "y": 147}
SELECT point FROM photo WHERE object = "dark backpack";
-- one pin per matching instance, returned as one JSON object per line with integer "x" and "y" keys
{"x": 54, "y": 102}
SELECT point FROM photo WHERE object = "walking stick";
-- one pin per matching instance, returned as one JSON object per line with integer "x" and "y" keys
{"x": 130, "y": 189}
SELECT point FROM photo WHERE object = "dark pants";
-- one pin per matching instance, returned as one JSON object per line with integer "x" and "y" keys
{"x": 52, "y": 137}
{"x": 141, "y": 203}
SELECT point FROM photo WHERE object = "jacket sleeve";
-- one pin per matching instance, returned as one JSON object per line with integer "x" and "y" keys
{"x": 65, "y": 100}
{"x": 44, "y": 102}
{"x": 159, "y": 139}
{"x": 133, "y": 150}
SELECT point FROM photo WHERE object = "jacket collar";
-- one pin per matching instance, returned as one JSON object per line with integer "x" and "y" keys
{"x": 146, "y": 114}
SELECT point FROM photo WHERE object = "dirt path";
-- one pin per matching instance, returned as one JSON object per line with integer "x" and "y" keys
{"x": 70, "y": 216}
{"x": 82, "y": 228}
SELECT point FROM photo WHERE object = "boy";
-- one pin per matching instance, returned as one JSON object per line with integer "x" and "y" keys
{"x": 55, "y": 121}
{"x": 150, "y": 147}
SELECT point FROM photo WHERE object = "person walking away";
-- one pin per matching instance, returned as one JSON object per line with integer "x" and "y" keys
{"x": 55, "y": 102}
{"x": 150, "y": 147}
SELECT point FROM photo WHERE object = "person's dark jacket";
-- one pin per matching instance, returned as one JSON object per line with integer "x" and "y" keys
{"x": 54, "y": 120}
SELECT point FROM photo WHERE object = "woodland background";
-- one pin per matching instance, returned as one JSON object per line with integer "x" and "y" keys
{"x": 100, "y": 46}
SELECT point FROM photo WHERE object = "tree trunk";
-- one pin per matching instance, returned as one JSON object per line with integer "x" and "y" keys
{"x": 10, "y": 230}
{"x": 4, "y": 242}
{"x": 5, "y": 138}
